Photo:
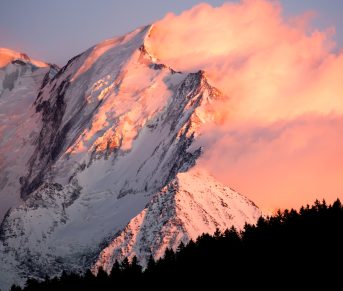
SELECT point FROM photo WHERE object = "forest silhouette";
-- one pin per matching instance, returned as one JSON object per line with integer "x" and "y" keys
{"x": 289, "y": 250}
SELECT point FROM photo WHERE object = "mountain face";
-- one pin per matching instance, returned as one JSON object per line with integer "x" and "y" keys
{"x": 20, "y": 79}
{"x": 100, "y": 162}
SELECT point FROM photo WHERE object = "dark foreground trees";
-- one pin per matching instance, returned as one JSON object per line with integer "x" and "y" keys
{"x": 289, "y": 250}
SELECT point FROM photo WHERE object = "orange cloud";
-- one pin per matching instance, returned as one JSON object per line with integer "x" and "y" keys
{"x": 283, "y": 87}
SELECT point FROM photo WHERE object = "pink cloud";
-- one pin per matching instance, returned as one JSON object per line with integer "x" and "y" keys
{"x": 285, "y": 164}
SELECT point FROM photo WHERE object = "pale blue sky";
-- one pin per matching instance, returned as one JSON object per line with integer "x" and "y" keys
{"x": 56, "y": 30}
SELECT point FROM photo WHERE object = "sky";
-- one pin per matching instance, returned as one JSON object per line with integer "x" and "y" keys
{"x": 55, "y": 31}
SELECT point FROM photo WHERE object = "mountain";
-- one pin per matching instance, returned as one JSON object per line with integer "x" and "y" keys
{"x": 102, "y": 163}
{"x": 20, "y": 79}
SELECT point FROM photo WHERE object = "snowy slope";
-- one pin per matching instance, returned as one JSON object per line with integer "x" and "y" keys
{"x": 191, "y": 204}
{"x": 111, "y": 146}
{"x": 20, "y": 80}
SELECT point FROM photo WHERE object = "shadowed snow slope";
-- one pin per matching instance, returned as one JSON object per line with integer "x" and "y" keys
{"x": 20, "y": 80}
{"x": 108, "y": 147}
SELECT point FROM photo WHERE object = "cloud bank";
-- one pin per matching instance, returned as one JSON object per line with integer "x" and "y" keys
{"x": 276, "y": 136}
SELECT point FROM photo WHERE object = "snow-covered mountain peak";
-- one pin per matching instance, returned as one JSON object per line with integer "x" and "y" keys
{"x": 8, "y": 56}
{"x": 103, "y": 145}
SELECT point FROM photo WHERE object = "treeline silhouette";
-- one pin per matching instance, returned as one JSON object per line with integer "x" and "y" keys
{"x": 289, "y": 250}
